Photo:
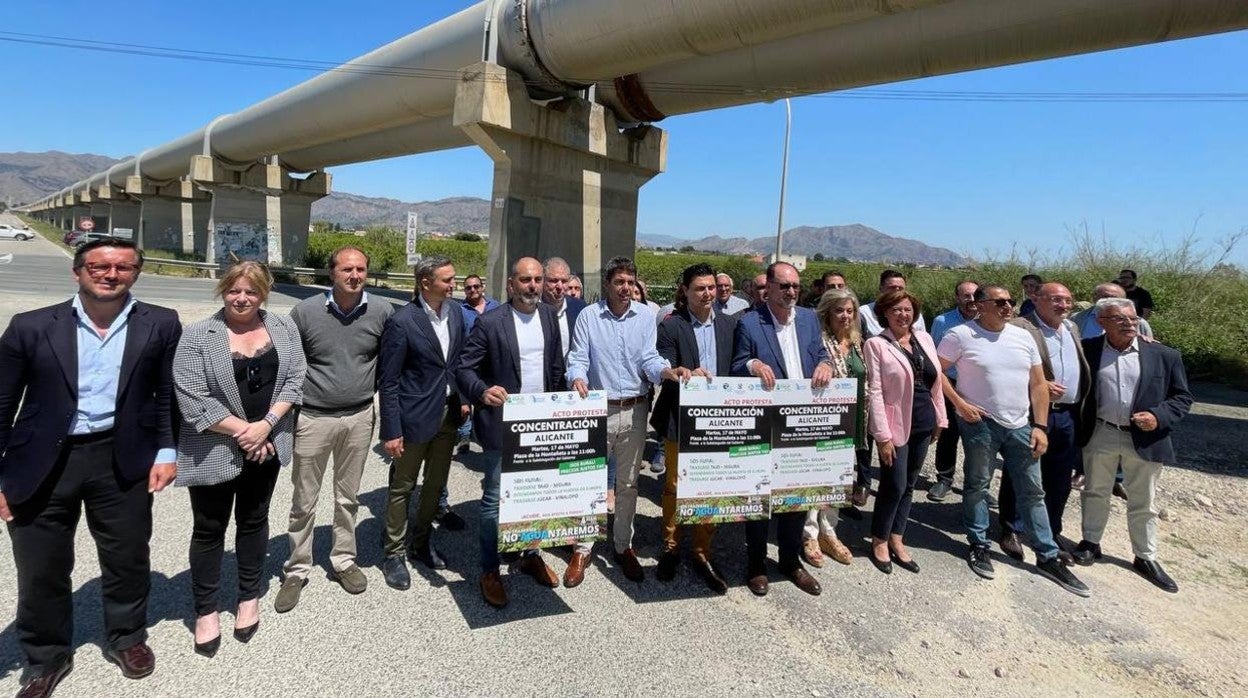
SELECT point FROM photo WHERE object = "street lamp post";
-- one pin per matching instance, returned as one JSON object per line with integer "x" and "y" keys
{"x": 784, "y": 176}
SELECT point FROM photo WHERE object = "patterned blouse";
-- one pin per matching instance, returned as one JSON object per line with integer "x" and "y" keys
{"x": 851, "y": 365}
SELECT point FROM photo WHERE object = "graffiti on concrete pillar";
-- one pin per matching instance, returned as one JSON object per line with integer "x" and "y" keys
{"x": 241, "y": 241}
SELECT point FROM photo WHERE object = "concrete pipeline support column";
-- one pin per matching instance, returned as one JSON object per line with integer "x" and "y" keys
{"x": 258, "y": 212}
{"x": 173, "y": 216}
{"x": 122, "y": 212}
{"x": 566, "y": 179}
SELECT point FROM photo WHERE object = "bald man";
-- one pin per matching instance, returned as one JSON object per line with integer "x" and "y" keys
{"x": 1086, "y": 319}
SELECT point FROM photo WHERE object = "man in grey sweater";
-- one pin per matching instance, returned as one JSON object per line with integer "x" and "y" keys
{"x": 341, "y": 332}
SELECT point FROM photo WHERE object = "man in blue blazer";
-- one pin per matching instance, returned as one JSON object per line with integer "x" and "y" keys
{"x": 1137, "y": 394}
{"x": 780, "y": 340}
{"x": 698, "y": 337}
{"x": 514, "y": 348}
{"x": 421, "y": 409}
{"x": 93, "y": 377}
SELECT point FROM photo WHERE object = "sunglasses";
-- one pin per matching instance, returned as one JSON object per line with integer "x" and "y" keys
{"x": 472, "y": 287}
{"x": 1000, "y": 302}
{"x": 788, "y": 287}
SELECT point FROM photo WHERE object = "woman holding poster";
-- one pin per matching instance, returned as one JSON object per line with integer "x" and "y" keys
{"x": 907, "y": 411}
{"x": 838, "y": 317}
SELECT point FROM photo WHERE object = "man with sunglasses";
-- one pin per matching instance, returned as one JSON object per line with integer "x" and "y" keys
{"x": 780, "y": 340}
{"x": 1002, "y": 405}
{"x": 93, "y": 377}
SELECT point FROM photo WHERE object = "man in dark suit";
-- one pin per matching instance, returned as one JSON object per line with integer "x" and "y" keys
{"x": 421, "y": 410}
{"x": 1067, "y": 376}
{"x": 780, "y": 340}
{"x": 557, "y": 274}
{"x": 514, "y": 348}
{"x": 93, "y": 376}
{"x": 699, "y": 339}
{"x": 1138, "y": 394}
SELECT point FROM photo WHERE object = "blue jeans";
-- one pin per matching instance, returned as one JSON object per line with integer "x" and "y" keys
{"x": 982, "y": 441}
{"x": 491, "y": 483}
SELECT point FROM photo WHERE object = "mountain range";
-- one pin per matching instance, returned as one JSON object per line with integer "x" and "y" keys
{"x": 27, "y": 176}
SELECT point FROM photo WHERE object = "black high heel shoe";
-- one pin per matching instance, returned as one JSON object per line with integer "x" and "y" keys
{"x": 884, "y": 566}
{"x": 208, "y": 649}
{"x": 907, "y": 565}
{"x": 244, "y": 635}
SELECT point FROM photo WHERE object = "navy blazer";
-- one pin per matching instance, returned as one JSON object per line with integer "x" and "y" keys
{"x": 1162, "y": 390}
{"x": 756, "y": 339}
{"x": 492, "y": 357}
{"x": 679, "y": 346}
{"x": 412, "y": 376}
{"x": 39, "y": 353}
{"x": 575, "y": 306}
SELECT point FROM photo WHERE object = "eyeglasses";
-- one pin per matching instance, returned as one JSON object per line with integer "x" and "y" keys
{"x": 472, "y": 287}
{"x": 1000, "y": 302}
{"x": 96, "y": 270}
{"x": 788, "y": 287}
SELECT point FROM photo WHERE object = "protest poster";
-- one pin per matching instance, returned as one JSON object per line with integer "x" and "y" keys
{"x": 812, "y": 444}
{"x": 553, "y": 488}
{"x": 723, "y": 472}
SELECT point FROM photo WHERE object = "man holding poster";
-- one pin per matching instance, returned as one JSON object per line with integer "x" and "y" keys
{"x": 780, "y": 340}
{"x": 613, "y": 349}
{"x": 699, "y": 339}
{"x": 513, "y": 348}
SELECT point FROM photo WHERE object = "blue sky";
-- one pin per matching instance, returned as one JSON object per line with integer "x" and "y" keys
{"x": 980, "y": 178}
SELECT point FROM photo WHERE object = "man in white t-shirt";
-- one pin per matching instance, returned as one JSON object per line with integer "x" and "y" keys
{"x": 890, "y": 280}
{"x": 1000, "y": 386}
{"x": 514, "y": 348}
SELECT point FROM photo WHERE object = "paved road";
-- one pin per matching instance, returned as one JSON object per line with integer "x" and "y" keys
{"x": 867, "y": 635}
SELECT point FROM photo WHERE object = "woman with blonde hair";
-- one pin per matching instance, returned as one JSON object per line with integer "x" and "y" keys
{"x": 838, "y": 317}
{"x": 237, "y": 375}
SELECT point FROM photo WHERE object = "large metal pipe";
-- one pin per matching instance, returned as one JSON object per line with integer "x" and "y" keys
{"x": 937, "y": 40}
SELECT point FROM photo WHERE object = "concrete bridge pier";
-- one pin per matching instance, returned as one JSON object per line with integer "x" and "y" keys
{"x": 566, "y": 179}
{"x": 121, "y": 211}
{"x": 173, "y": 216}
{"x": 257, "y": 212}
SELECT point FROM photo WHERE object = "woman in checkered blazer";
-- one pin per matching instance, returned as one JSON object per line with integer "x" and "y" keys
{"x": 237, "y": 375}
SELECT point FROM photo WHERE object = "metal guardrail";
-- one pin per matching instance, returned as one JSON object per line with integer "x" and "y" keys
{"x": 212, "y": 267}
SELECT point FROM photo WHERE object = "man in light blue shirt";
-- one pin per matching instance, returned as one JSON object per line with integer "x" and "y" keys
{"x": 1089, "y": 328}
{"x": 613, "y": 349}
{"x": 725, "y": 302}
{"x": 947, "y": 443}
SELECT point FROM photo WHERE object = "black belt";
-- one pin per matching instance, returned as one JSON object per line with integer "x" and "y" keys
{"x": 1111, "y": 425}
{"x": 318, "y": 411}
{"x": 1064, "y": 407}
{"x": 626, "y": 402}
{"x": 81, "y": 439}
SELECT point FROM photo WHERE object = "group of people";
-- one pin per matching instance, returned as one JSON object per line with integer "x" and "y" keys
{"x": 106, "y": 400}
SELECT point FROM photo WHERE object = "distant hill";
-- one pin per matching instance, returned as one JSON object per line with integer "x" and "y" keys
{"x": 25, "y": 177}
{"x": 855, "y": 242}
{"x": 461, "y": 214}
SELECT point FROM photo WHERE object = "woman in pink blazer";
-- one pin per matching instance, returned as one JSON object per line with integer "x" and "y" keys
{"x": 906, "y": 408}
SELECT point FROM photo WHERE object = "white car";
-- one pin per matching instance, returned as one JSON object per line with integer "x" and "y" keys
{"x": 9, "y": 232}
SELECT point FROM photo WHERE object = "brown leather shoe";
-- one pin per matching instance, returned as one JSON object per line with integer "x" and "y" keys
{"x": 536, "y": 567}
{"x": 1011, "y": 545}
{"x": 805, "y": 582}
{"x": 629, "y": 565}
{"x": 492, "y": 590}
{"x": 42, "y": 686}
{"x": 136, "y": 661}
{"x": 758, "y": 584}
{"x": 575, "y": 574}
{"x": 859, "y": 496}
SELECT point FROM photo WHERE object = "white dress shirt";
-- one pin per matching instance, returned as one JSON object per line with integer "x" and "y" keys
{"x": 532, "y": 348}
{"x": 1116, "y": 380}
{"x": 786, "y": 336}
{"x": 1064, "y": 357}
{"x": 441, "y": 322}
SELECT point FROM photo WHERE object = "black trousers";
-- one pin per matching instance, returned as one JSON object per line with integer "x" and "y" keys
{"x": 1057, "y": 467}
{"x": 892, "y": 503}
{"x": 788, "y": 539}
{"x": 862, "y": 465}
{"x": 248, "y": 496}
{"x": 947, "y": 447}
{"x": 119, "y": 516}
